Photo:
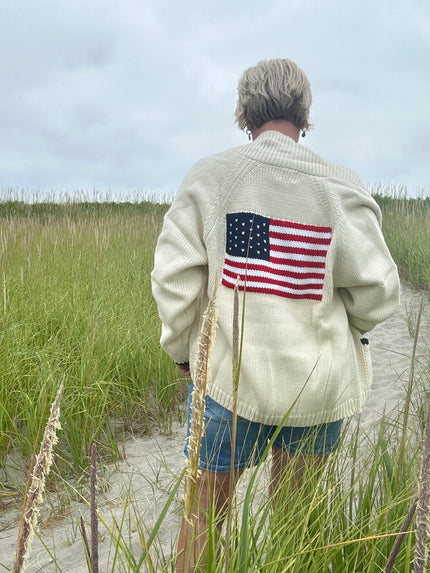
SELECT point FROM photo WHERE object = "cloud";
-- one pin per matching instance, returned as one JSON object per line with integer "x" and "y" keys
{"x": 129, "y": 95}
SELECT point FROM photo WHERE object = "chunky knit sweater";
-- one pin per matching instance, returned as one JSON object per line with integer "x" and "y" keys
{"x": 303, "y": 237}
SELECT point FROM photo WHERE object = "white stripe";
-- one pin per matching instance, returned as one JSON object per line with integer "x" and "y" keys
{"x": 297, "y": 257}
{"x": 300, "y": 245}
{"x": 256, "y": 284}
{"x": 301, "y": 232}
{"x": 254, "y": 273}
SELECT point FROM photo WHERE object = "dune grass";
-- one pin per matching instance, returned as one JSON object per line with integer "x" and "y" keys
{"x": 76, "y": 304}
{"x": 406, "y": 228}
{"x": 346, "y": 518}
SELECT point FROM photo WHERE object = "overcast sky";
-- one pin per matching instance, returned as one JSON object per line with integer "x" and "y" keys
{"x": 126, "y": 95}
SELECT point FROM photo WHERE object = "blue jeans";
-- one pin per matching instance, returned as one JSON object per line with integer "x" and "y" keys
{"x": 252, "y": 439}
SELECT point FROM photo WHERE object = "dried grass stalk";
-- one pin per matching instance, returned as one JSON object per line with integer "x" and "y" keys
{"x": 423, "y": 506}
{"x": 235, "y": 375}
{"x": 400, "y": 537}
{"x": 235, "y": 341}
{"x": 409, "y": 396}
{"x": 94, "y": 513}
{"x": 35, "y": 495}
{"x": 4, "y": 293}
{"x": 201, "y": 379}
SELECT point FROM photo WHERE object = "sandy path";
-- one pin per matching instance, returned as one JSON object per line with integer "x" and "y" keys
{"x": 152, "y": 464}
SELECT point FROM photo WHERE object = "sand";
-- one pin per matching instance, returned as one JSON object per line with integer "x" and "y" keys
{"x": 143, "y": 481}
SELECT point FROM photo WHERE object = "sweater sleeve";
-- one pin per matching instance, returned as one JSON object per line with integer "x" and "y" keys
{"x": 364, "y": 272}
{"x": 179, "y": 276}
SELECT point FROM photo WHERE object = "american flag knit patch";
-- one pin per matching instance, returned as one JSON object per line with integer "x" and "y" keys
{"x": 277, "y": 257}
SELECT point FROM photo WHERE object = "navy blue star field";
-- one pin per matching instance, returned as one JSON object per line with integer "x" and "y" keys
{"x": 240, "y": 240}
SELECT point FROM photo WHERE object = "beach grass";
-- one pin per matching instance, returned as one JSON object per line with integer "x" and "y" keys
{"x": 348, "y": 517}
{"x": 77, "y": 305}
{"x": 406, "y": 228}
{"x": 76, "y": 302}
{"x": 345, "y": 519}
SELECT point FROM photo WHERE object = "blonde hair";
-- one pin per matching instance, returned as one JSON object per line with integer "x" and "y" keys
{"x": 273, "y": 89}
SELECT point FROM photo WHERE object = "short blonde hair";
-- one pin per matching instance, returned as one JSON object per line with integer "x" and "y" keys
{"x": 273, "y": 89}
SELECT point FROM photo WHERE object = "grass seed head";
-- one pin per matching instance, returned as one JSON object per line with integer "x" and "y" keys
{"x": 35, "y": 494}
{"x": 201, "y": 379}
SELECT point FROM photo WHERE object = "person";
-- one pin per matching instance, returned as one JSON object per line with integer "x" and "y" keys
{"x": 303, "y": 237}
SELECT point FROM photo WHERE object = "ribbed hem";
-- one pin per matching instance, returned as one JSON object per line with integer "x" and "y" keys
{"x": 295, "y": 418}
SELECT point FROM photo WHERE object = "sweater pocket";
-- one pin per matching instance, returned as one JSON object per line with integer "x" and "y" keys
{"x": 363, "y": 360}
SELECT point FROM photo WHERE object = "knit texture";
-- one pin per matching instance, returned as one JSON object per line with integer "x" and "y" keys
{"x": 319, "y": 276}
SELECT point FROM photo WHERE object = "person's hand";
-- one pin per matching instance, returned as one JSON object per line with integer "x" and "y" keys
{"x": 184, "y": 368}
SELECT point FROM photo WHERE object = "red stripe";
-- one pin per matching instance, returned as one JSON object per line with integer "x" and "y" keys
{"x": 250, "y": 288}
{"x": 293, "y": 263}
{"x": 251, "y": 279}
{"x": 298, "y": 251}
{"x": 301, "y": 226}
{"x": 299, "y": 238}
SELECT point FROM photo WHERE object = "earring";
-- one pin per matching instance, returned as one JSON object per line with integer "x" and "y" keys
{"x": 304, "y": 133}
{"x": 248, "y": 133}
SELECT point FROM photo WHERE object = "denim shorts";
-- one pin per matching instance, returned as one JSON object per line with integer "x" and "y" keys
{"x": 253, "y": 437}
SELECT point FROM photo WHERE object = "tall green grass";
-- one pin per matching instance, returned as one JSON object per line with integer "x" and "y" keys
{"x": 345, "y": 519}
{"x": 406, "y": 228}
{"x": 76, "y": 302}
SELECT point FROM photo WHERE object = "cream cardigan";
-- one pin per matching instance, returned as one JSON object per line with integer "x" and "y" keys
{"x": 317, "y": 277}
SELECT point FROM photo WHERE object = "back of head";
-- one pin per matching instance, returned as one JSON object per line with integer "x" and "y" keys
{"x": 273, "y": 89}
